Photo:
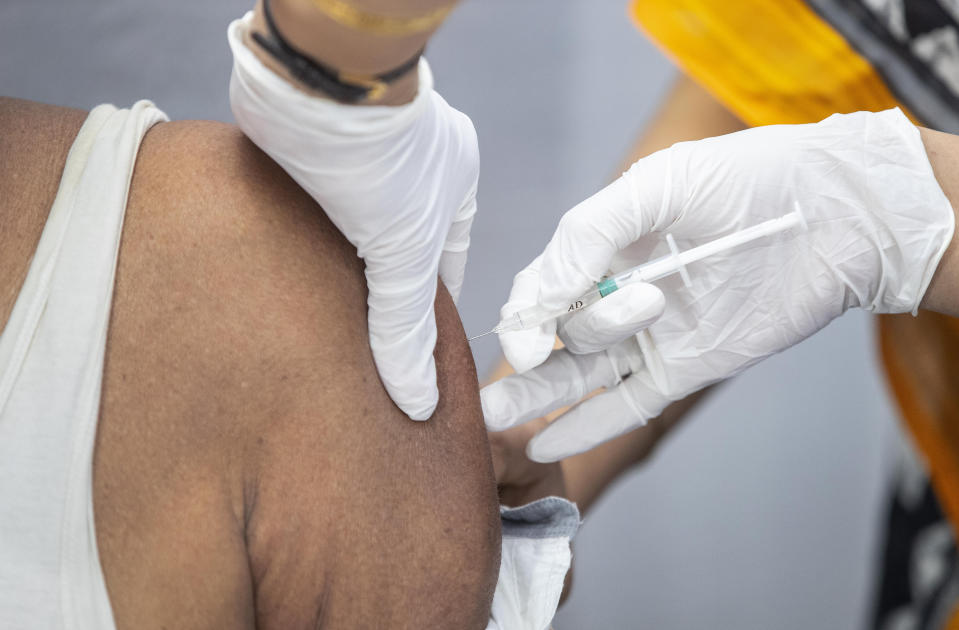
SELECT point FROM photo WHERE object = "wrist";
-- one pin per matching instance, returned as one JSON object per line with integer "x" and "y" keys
{"x": 348, "y": 52}
{"x": 942, "y": 294}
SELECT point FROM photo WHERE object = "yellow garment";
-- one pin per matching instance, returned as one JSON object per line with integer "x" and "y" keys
{"x": 768, "y": 62}
{"x": 918, "y": 353}
{"x": 773, "y": 62}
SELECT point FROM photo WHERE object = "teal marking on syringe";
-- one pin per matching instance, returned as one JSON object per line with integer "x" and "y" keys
{"x": 607, "y": 286}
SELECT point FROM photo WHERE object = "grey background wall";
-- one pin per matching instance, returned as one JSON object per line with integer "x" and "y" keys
{"x": 762, "y": 511}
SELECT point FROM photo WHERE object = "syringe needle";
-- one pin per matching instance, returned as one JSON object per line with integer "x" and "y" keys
{"x": 488, "y": 332}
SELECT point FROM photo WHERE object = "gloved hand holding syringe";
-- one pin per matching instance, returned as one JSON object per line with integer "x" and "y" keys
{"x": 877, "y": 221}
{"x": 674, "y": 262}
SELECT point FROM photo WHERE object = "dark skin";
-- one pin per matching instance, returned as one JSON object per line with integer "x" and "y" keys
{"x": 250, "y": 470}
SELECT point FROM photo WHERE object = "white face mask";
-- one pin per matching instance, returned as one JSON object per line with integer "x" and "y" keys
{"x": 536, "y": 556}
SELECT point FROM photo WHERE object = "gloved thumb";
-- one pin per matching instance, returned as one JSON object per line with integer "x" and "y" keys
{"x": 525, "y": 349}
{"x": 614, "y": 318}
{"x": 599, "y": 419}
{"x": 403, "y": 335}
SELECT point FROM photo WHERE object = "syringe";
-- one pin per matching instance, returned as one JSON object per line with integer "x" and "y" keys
{"x": 674, "y": 262}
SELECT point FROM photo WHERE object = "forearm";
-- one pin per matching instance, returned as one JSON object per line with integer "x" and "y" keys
{"x": 688, "y": 112}
{"x": 355, "y": 37}
{"x": 589, "y": 474}
{"x": 943, "y": 151}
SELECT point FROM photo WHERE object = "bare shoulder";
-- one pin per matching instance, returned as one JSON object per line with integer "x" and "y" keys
{"x": 35, "y": 130}
{"x": 34, "y": 142}
{"x": 245, "y": 433}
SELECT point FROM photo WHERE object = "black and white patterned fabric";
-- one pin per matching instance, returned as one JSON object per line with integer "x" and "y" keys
{"x": 913, "y": 44}
{"x": 919, "y": 571}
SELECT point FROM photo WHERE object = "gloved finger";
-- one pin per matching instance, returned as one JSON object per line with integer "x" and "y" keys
{"x": 525, "y": 349}
{"x": 563, "y": 379}
{"x": 403, "y": 335}
{"x": 453, "y": 259}
{"x": 452, "y": 271}
{"x": 589, "y": 235}
{"x": 614, "y": 318}
{"x": 601, "y": 418}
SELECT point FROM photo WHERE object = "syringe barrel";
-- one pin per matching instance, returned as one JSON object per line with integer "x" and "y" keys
{"x": 536, "y": 315}
{"x": 652, "y": 270}
{"x": 670, "y": 264}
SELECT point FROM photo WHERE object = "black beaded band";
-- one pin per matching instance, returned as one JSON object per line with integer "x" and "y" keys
{"x": 343, "y": 87}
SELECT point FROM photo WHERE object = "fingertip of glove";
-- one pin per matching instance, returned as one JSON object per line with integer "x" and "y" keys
{"x": 525, "y": 349}
{"x": 494, "y": 414}
{"x": 544, "y": 450}
{"x": 421, "y": 414}
{"x": 420, "y": 408}
{"x": 648, "y": 297}
{"x": 410, "y": 384}
{"x": 635, "y": 306}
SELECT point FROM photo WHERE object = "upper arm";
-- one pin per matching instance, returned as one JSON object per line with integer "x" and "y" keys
{"x": 364, "y": 518}
{"x": 361, "y": 517}
{"x": 241, "y": 313}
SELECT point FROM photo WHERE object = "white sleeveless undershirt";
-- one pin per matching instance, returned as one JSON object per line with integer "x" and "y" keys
{"x": 51, "y": 369}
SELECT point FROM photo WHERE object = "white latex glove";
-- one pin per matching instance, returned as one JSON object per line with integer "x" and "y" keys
{"x": 878, "y": 224}
{"x": 398, "y": 182}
